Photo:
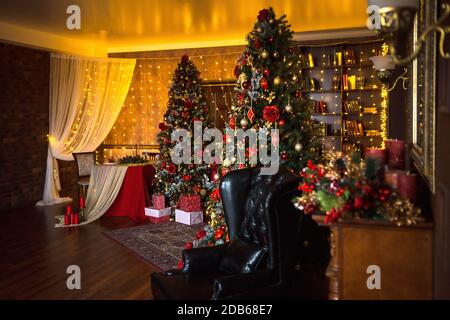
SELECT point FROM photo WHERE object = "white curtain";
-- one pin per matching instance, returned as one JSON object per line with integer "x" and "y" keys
{"x": 86, "y": 96}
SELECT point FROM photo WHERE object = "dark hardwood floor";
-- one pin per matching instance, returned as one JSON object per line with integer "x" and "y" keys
{"x": 34, "y": 256}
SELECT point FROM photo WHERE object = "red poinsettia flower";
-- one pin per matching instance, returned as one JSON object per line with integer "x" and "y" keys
{"x": 215, "y": 195}
{"x": 271, "y": 113}
{"x": 171, "y": 168}
{"x": 263, "y": 14}
{"x": 200, "y": 234}
{"x": 311, "y": 165}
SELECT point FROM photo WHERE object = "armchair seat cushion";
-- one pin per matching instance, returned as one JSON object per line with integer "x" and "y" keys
{"x": 241, "y": 256}
{"x": 183, "y": 286}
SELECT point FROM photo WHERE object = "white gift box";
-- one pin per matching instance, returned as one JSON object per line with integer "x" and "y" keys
{"x": 158, "y": 213}
{"x": 188, "y": 218}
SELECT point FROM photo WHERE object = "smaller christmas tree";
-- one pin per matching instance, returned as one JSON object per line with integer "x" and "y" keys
{"x": 186, "y": 104}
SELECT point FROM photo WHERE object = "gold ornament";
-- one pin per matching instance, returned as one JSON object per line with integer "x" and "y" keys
{"x": 298, "y": 147}
{"x": 264, "y": 54}
{"x": 244, "y": 123}
{"x": 288, "y": 108}
{"x": 277, "y": 80}
{"x": 294, "y": 78}
{"x": 276, "y": 54}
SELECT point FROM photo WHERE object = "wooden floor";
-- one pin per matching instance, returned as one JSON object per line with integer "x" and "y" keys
{"x": 34, "y": 256}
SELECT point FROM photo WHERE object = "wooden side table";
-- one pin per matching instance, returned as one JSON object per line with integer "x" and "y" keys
{"x": 404, "y": 255}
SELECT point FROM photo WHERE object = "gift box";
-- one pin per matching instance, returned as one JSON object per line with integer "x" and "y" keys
{"x": 188, "y": 217}
{"x": 159, "y": 201}
{"x": 159, "y": 220}
{"x": 190, "y": 203}
{"x": 158, "y": 213}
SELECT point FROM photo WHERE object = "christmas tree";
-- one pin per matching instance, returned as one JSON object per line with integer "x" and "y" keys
{"x": 268, "y": 90}
{"x": 186, "y": 104}
{"x": 268, "y": 96}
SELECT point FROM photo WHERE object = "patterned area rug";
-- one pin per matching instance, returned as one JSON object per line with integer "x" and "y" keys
{"x": 160, "y": 244}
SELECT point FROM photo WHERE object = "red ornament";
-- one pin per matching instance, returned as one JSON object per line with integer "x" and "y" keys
{"x": 271, "y": 113}
{"x": 298, "y": 93}
{"x": 188, "y": 103}
{"x": 251, "y": 114}
{"x": 266, "y": 72}
{"x": 218, "y": 234}
{"x": 281, "y": 122}
{"x": 257, "y": 43}
{"x": 188, "y": 246}
{"x": 358, "y": 203}
{"x": 284, "y": 155}
{"x": 270, "y": 40}
{"x": 200, "y": 234}
{"x": 171, "y": 169}
{"x": 264, "y": 83}
{"x": 215, "y": 195}
{"x": 232, "y": 122}
{"x": 162, "y": 126}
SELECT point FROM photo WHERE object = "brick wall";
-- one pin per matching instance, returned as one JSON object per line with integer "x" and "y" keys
{"x": 24, "y": 90}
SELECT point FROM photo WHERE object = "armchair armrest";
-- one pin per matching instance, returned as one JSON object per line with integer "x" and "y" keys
{"x": 242, "y": 283}
{"x": 204, "y": 259}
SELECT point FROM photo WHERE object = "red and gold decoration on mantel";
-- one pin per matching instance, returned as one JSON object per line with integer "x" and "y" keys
{"x": 347, "y": 187}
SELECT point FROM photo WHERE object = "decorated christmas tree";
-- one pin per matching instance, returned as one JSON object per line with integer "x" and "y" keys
{"x": 186, "y": 104}
{"x": 268, "y": 96}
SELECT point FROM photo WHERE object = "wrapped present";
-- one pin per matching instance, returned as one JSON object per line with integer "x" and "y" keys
{"x": 188, "y": 217}
{"x": 159, "y": 220}
{"x": 158, "y": 213}
{"x": 159, "y": 201}
{"x": 191, "y": 203}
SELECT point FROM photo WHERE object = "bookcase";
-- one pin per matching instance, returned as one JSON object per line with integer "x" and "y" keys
{"x": 350, "y": 102}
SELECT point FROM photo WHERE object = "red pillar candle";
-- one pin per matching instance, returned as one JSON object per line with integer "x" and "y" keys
{"x": 67, "y": 219}
{"x": 75, "y": 219}
{"x": 82, "y": 203}
{"x": 69, "y": 210}
{"x": 396, "y": 151}
{"x": 407, "y": 186}
{"x": 378, "y": 154}
{"x": 391, "y": 178}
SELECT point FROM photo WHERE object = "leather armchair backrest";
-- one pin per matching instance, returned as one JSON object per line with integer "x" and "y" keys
{"x": 258, "y": 215}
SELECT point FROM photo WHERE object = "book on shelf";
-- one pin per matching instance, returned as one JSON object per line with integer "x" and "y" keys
{"x": 373, "y": 133}
{"x": 320, "y": 107}
{"x": 359, "y": 82}
{"x": 352, "y": 107}
{"x": 353, "y": 128}
{"x": 337, "y": 62}
{"x": 349, "y": 56}
{"x": 345, "y": 81}
{"x": 349, "y": 148}
{"x": 310, "y": 60}
{"x": 352, "y": 82}
{"x": 370, "y": 110}
{"x": 336, "y": 81}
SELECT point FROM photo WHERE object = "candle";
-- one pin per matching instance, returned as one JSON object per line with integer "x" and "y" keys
{"x": 407, "y": 186}
{"x": 391, "y": 178}
{"x": 396, "y": 151}
{"x": 378, "y": 154}
{"x": 82, "y": 203}
{"x": 75, "y": 219}
{"x": 69, "y": 210}
{"x": 67, "y": 220}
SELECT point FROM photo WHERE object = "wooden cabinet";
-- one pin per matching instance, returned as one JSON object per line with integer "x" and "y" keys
{"x": 403, "y": 254}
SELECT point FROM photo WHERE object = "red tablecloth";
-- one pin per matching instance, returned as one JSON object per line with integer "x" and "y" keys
{"x": 134, "y": 195}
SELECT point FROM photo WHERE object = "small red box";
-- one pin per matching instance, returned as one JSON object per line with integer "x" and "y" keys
{"x": 190, "y": 203}
{"x": 159, "y": 220}
{"x": 159, "y": 201}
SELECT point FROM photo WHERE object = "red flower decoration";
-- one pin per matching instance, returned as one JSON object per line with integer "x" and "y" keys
{"x": 358, "y": 203}
{"x": 271, "y": 113}
{"x": 200, "y": 234}
{"x": 263, "y": 14}
{"x": 162, "y": 126}
{"x": 232, "y": 122}
{"x": 215, "y": 195}
{"x": 311, "y": 165}
{"x": 171, "y": 168}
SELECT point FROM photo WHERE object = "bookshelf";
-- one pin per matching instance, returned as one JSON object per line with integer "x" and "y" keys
{"x": 350, "y": 103}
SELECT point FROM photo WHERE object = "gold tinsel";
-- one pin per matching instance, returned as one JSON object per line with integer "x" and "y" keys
{"x": 402, "y": 212}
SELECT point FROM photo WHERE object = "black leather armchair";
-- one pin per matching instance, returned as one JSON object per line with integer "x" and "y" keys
{"x": 258, "y": 209}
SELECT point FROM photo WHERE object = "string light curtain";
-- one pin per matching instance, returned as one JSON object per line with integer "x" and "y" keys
{"x": 86, "y": 96}
{"x": 146, "y": 102}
